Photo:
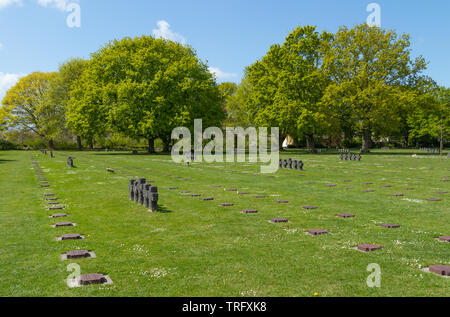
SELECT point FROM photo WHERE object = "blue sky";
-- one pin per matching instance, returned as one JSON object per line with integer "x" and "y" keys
{"x": 229, "y": 34}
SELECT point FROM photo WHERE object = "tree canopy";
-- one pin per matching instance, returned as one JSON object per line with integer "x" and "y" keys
{"x": 370, "y": 70}
{"x": 24, "y": 105}
{"x": 144, "y": 88}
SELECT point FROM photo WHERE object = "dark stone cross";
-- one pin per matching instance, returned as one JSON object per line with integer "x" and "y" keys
{"x": 70, "y": 162}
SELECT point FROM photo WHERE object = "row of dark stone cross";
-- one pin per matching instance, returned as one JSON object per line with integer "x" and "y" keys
{"x": 52, "y": 201}
{"x": 291, "y": 164}
{"x": 350, "y": 157}
{"x": 143, "y": 193}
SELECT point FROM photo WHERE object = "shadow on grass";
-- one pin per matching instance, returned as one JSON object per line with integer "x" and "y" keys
{"x": 7, "y": 161}
{"x": 163, "y": 210}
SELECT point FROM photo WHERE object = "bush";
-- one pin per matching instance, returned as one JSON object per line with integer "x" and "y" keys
{"x": 5, "y": 145}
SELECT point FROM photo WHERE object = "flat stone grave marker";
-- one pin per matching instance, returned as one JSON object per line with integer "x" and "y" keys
{"x": 231, "y": 190}
{"x": 409, "y": 188}
{"x": 368, "y": 183}
{"x": 88, "y": 279}
{"x": 368, "y": 191}
{"x": 309, "y": 183}
{"x": 387, "y": 186}
{"x": 398, "y": 195}
{"x": 317, "y": 232}
{"x": 226, "y": 205}
{"x": 173, "y": 188}
{"x": 63, "y": 224}
{"x": 390, "y": 225}
{"x": 195, "y": 195}
{"x": 434, "y": 199}
{"x": 345, "y": 216}
{"x": 45, "y": 186}
{"x": 309, "y": 207}
{"x": 59, "y": 215}
{"x": 440, "y": 269}
{"x": 259, "y": 196}
{"x": 185, "y": 192}
{"x": 208, "y": 198}
{"x": 279, "y": 220}
{"x": 243, "y": 193}
{"x": 52, "y": 203}
{"x": 56, "y": 208}
{"x": 346, "y": 181}
{"x": 71, "y": 236}
{"x": 445, "y": 238}
{"x": 249, "y": 211}
{"x": 348, "y": 188}
{"x": 217, "y": 186}
{"x": 331, "y": 185}
{"x": 78, "y": 254}
{"x": 51, "y": 199}
{"x": 444, "y": 180}
{"x": 49, "y": 194}
{"x": 282, "y": 201}
{"x": 441, "y": 193}
{"x": 368, "y": 247}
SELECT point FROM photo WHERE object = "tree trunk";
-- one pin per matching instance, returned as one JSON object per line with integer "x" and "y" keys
{"x": 296, "y": 142}
{"x": 51, "y": 145}
{"x": 366, "y": 140}
{"x": 79, "y": 144}
{"x": 166, "y": 145}
{"x": 91, "y": 145}
{"x": 280, "y": 142}
{"x": 309, "y": 142}
{"x": 406, "y": 140}
{"x": 151, "y": 146}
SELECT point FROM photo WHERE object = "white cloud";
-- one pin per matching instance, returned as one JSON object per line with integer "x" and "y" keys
{"x": 5, "y": 3}
{"x": 7, "y": 81}
{"x": 1, "y": 46}
{"x": 164, "y": 31}
{"x": 220, "y": 74}
{"x": 58, "y": 4}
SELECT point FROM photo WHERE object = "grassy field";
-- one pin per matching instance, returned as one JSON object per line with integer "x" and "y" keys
{"x": 196, "y": 248}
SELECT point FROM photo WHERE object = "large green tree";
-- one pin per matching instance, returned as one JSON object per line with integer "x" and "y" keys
{"x": 236, "y": 106}
{"x": 57, "y": 97}
{"x": 144, "y": 88}
{"x": 371, "y": 70}
{"x": 25, "y": 106}
{"x": 287, "y": 84}
{"x": 430, "y": 120}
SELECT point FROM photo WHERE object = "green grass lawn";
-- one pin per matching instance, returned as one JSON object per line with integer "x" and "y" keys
{"x": 196, "y": 248}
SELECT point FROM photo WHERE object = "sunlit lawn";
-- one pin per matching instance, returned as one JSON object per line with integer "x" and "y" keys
{"x": 196, "y": 248}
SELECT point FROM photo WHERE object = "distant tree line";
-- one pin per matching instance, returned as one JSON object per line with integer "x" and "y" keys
{"x": 358, "y": 84}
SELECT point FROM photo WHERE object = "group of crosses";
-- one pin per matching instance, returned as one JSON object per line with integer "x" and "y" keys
{"x": 143, "y": 193}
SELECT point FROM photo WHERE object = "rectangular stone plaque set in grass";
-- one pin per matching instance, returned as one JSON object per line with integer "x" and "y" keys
{"x": 291, "y": 164}
{"x": 143, "y": 193}
{"x": 82, "y": 280}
